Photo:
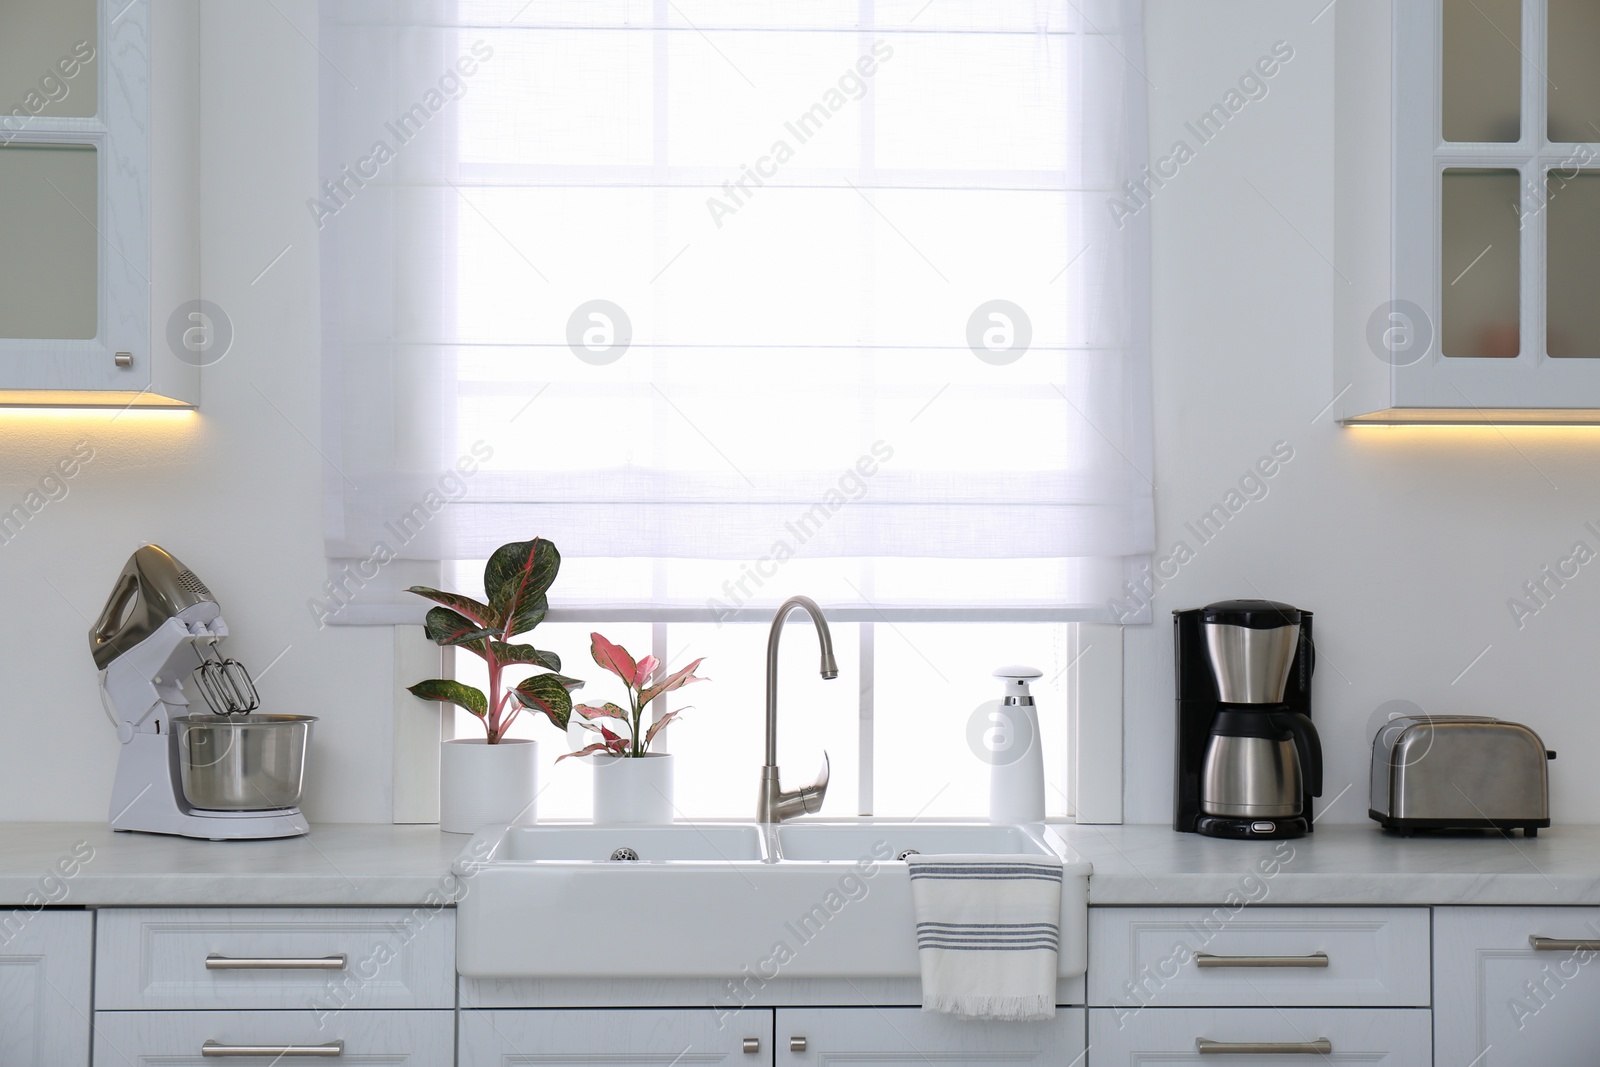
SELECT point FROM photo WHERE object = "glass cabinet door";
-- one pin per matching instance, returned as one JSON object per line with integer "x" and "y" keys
{"x": 91, "y": 91}
{"x": 1496, "y": 120}
{"x": 50, "y": 207}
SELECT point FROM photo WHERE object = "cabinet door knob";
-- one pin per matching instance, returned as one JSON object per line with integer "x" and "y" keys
{"x": 797, "y": 1044}
{"x": 752, "y": 1045}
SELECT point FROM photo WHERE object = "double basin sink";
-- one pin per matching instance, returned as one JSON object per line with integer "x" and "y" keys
{"x": 720, "y": 900}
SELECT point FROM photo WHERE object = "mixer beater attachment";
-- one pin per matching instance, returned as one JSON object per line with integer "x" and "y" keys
{"x": 225, "y": 684}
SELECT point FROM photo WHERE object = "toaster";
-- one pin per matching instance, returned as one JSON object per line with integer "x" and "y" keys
{"x": 1436, "y": 772}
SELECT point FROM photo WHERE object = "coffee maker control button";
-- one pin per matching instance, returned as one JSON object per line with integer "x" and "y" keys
{"x": 1263, "y": 827}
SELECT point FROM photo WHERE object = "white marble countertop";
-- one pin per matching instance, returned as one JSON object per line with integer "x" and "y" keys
{"x": 350, "y": 864}
{"x": 1340, "y": 865}
{"x": 89, "y": 864}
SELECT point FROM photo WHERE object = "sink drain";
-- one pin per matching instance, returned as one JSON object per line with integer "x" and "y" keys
{"x": 907, "y": 852}
{"x": 625, "y": 855}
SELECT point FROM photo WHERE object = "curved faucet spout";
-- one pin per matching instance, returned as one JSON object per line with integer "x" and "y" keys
{"x": 776, "y": 805}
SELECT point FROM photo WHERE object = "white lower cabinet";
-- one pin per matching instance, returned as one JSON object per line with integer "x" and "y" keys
{"x": 178, "y": 1038}
{"x": 694, "y": 1037}
{"x": 845, "y": 1037}
{"x": 45, "y": 964}
{"x": 1516, "y": 986}
{"x": 1259, "y": 1037}
{"x": 760, "y": 1037}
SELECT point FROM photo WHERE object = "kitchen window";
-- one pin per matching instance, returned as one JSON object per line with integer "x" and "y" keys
{"x": 731, "y": 303}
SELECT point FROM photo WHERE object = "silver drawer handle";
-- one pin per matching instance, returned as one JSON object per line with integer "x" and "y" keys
{"x": 330, "y": 1050}
{"x": 1556, "y": 944}
{"x": 1315, "y": 959}
{"x": 267, "y": 963}
{"x": 752, "y": 1045}
{"x": 1320, "y": 1047}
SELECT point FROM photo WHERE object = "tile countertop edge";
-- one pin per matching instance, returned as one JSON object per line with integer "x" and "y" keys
{"x": 376, "y": 865}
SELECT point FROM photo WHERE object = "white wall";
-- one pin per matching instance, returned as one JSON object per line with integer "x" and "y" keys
{"x": 1407, "y": 543}
{"x": 234, "y": 491}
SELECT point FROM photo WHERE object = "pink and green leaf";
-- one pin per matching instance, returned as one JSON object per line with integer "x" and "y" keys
{"x": 605, "y": 711}
{"x": 449, "y": 691}
{"x": 446, "y": 627}
{"x": 517, "y": 577}
{"x": 659, "y": 725}
{"x": 673, "y": 681}
{"x": 613, "y": 658}
{"x": 504, "y": 653}
{"x": 614, "y": 747}
{"x": 549, "y": 693}
{"x": 642, "y": 673}
{"x": 461, "y": 605}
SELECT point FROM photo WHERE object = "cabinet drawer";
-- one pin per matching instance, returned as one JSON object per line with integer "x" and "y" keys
{"x": 177, "y": 1038}
{"x": 1397, "y": 1037}
{"x": 625, "y": 1037}
{"x": 326, "y": 959}
{"x": 1252, "y": 955}
{"x": 1506, "y": 1000}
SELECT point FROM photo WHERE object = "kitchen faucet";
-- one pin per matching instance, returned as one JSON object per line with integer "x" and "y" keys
{"x": 775, "y": 805}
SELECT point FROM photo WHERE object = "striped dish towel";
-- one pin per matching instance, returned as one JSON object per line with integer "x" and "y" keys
{"x": 987, "y": 933}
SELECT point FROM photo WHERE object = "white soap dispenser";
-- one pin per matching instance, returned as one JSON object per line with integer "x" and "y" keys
{"x": 1016, "y": 758}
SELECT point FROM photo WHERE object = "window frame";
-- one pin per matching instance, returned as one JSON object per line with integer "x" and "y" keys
{"x": 1093, "y": 722}
{"x": 1533, "y": 379}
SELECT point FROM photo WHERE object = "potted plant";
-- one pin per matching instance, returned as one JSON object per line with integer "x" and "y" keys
{"x": 493, "y": 779}
{"x": 631, "y": 783}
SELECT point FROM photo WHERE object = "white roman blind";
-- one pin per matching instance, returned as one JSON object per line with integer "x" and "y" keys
{"x": 733, "y": 300}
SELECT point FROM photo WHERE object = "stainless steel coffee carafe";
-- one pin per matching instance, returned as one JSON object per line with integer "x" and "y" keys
{"x": 1252, "y": 768}
{"x": 1248, "y": 757}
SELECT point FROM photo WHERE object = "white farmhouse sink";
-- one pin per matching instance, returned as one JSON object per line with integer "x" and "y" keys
{"x": 824, "y": 841}
{"x": 803, "y": 900}
{"x": 594, "y": 844}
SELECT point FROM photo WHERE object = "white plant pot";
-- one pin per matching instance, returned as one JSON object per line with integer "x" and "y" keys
{"x": 487, "y": 785}
{"x": 633, "y": 789}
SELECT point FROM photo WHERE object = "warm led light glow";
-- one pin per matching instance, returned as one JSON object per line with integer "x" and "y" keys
{"x": 1481, "y": 418}
{"x": 89, "y": 400}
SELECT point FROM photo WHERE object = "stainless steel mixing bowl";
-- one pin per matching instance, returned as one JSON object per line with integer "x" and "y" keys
{"x": 242, "y": 762}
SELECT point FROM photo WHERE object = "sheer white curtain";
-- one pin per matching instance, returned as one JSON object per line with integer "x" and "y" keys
{"x": 731, "y": 300}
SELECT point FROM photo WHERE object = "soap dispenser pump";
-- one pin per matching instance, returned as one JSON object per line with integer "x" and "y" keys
{"x": 1016, "y": 758}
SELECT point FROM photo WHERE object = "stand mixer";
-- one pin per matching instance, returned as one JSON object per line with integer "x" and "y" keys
{"x": 229, "y": 775}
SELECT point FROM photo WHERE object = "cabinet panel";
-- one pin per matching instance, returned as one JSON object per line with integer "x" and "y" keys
{"x": 1258, "y": 956}
{"x": 1397, "y": 1037}
{"x": 866, "y": 1037}
{"x": 179, "y": 1038}
{"x": 157, "y": 958}
{"x": 44, "y": 988}
{"x": 627, "y": 1038}
{"x": 1501, "y": 1001}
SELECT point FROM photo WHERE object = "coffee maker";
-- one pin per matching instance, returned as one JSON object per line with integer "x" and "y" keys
{"x": 1248, "y": 760}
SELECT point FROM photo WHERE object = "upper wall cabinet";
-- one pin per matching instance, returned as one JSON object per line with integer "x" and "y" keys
{"x": 1494, "y": 309}
{"x": 99, "y": 202}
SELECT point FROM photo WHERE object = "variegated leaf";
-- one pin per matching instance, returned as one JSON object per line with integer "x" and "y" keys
{"x": 613, "y": 658}
{"x": 449, "y": 691}
{"x": 676, "y": 680}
